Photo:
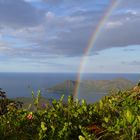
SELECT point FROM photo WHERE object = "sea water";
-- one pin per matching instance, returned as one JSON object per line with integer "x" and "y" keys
{"x": 22, "y": 84}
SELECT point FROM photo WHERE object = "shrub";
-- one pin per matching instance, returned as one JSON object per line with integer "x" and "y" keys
{"x": 116, "y": 116}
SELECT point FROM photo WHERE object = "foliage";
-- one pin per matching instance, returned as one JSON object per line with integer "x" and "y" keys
{"x": 88, "y": 86}
{"x": 114, "y": 117}
{"x": 5, "y": 103}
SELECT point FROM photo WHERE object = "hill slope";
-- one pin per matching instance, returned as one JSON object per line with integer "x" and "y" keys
{"x": 92, "y": 86}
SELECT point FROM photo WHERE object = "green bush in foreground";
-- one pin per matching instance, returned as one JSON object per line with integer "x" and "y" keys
{"x": 115, "y": 117}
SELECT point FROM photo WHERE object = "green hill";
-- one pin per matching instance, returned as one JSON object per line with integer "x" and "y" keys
{"x": 92, "y": 86}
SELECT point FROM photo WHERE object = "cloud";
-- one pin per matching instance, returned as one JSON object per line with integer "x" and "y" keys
{"x": 74, "y": 4}
{"x": 62, "y": 1}
{"x": 132, "y": 63}
{"x": 135, "y": 63}
{"x": 56, "y": 36}
{"x": 120, "y": 32}
{"x": 32, "y": 0}
{"x": 50, "y": 34}
{"x": 130, "y": 4}
{"x": 129, "y": 50}
{"x": 18, "y": 13}
{"x": 53, "y": 1}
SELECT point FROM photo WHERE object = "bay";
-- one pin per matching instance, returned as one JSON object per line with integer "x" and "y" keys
{"x": 22, "y": 84}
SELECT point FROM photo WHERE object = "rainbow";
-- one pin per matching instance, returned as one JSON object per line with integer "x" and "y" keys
{"x": 92, "y": 41}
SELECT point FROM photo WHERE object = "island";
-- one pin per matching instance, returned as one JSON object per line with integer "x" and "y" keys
{"x": 86, "y": 86}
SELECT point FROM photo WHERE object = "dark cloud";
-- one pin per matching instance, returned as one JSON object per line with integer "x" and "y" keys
{"x": 69, "y": 34}
{"x": 71, "y": 43}
{"x": 121, "y": 33}
{"x": 129, "y": 50}
{"x": 61, "y": 1}
{"x": 129, "y": 4}
{"x": 73, "y": 3}
{"x": 18, "y": 13}
{"x": 133, "y": 63}
{"x": 53, "y": 1}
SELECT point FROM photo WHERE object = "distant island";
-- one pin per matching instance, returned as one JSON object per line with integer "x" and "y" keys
{"x": 88, "y": 86}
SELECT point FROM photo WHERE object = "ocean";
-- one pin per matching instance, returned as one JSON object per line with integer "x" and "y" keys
{"x": 22, "y": 84}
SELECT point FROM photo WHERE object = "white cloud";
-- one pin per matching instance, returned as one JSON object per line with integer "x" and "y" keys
{"x": 32, "y": 0}
{"x": 50, "y": 15}
{"x": 113, "y": 24}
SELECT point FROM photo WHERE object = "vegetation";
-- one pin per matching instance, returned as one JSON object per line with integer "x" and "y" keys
{"x": 115, "y": 117}
{"x": 88, "y": 86}
{"x": 28, "y": 102}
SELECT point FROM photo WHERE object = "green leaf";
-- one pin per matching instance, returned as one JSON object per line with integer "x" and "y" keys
{"x": 129, "y": 116}
{"x": 106, "y": 119}
{"x": 101, "y": 104}
{"x": 43, "y": 126}
{"x": 138, "y": 118}
{"x": 62, "y": 97}
{"x": 81, "y": 138}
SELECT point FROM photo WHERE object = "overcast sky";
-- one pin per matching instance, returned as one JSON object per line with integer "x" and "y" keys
{"x": 52, "y": 35}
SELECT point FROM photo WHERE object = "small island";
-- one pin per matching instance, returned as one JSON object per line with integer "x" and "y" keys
{"x": 88, "y": 86}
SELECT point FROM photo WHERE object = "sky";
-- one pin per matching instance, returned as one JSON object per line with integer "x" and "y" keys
{"x": 52, "y": 36}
